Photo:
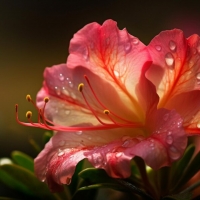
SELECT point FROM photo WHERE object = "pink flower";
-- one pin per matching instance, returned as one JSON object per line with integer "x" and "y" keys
{"x": 115, "y": 99}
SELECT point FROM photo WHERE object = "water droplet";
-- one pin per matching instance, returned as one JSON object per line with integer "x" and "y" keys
{"x": 67, "y": 112}
{"x": 73, "y": 95}
{"x": 108, "y": 41}
{"x": 198, "y": 49}
{"x": 57, "y": 90}
{"x": 79, "y": 132}
{"x": 172, "y": 45}
{"x": 173, "y": 153}
{"x": 61, "y": 77}
{"x": 169, "y": 59}
{"x": 198, "y": 125}
{"x": 119, "y": 154}
{"x": 62, "y": 143}
{"x": 71, "y": 84}
{"x": 198, "y": 76}
{"x": 169, "y": 139}
{"x": 158, "y": 47}
{"x": 126, "y": 143}
{"x": 60, "y": 153}
{"x": 64, "y": 91}
{"x": 135, "y": 41}
{"x": 85, "y": 54}
{"x": 68, "y": 180}
{"x": 99, "y": 159}
{"x": 127, "y": 46}
{"x": 116, "y": 73}
{"x": 166, "y": 117}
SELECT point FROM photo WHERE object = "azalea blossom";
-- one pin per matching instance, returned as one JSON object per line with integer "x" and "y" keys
{"x": 116, "y": 98}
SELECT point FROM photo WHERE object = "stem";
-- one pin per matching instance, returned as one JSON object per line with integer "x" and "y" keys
{"x": 142, "y": 168}
{"x": 134, "y": 189}
{"x": 192, "y": 187}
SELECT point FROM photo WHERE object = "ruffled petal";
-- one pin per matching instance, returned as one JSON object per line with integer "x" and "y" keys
{"x": 112, "y": 150}
{"x": 169, "y": 72}
{"x": 167, "y": 140}
{"x": 112, "y": 54}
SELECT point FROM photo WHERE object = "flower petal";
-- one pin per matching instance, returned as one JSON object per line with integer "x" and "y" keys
{"x": 166, "y": 142}
{"x": 171, "y": 70}
{"x": 111, "y": 150}
{"x": 112, "y": 54}
{"x": 67, "y": 105}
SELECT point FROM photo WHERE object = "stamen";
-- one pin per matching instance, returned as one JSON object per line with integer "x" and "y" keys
{"x": 80, "y": 87}
{"x": 28, "y": 114}
{"x": 28, "y": 97}
{"x": 106, "y": 112}
{"x": 46, "y": 99}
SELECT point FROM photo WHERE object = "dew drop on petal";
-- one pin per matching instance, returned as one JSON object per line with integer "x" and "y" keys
{"x": 116, "y": 73}
{"x": 73, "y": 95}
{"x": 85, "y": 54}
{"x": 119, "y": 154}
{"x": 173, "y": 153}
{"x": 169, "y": 59}
{"x": 172, "y": 45}
{"x": 61, "y": 77}
{"x": 108, "y": 41}
{"x": 198, "y": 125}
{"x": 62, "y": 143}
{"x": 198, "y": 76}
{"x": 166, "y": 117}
{"x": 68, "y": 180}
{"x": 127, "y": 46}
{"x": 67, "y": 112}
{"x": 158, "y": 47}
{"x": 135, "y": 41}
{"x": 126, "y": 143}
{"x": 71, "y": 84}
{"x": 60, "y": 153}
{"x": 79, "y": 132}
{"x": 169, "y": 139}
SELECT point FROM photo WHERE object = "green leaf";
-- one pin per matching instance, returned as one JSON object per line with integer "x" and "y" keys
{"x": 190, "y": 171}
{"x": 103, "y": 185}
{"x": 24, "y": 181}
{"x": 23, "y": 160}
{"x": 47, "y": 136}
{"x": 93, "y": 175}
{"x": 182, "y": 164}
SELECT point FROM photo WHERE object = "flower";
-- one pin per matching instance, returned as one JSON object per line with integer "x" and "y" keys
{"x": 115, "y": 99}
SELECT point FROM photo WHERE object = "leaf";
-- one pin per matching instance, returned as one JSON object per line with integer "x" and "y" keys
{"x": 182, "y": 164}
{"x": 190, "y": 171}
{"x": 24, "y": 181}
{"x": 94, "y": 175}
{"x": 23, "y": 160}
{"x": 47, "y": 136}
{"x": 103, "y": 185}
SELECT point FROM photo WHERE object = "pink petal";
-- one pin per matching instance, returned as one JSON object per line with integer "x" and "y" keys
{"x": 112, "y": 150}
{"x": 168, "y": 72}
{"x": 115, "y": 56}
{"x": 167, "y": 140}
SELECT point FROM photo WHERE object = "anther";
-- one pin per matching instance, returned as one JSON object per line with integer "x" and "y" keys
{"x": 106, "y": 112}
{"x": 46, "y": 99}
{"x": 80, "y": 87}
{"x": 29, "y": 114}
{"x": 28, "y": 97}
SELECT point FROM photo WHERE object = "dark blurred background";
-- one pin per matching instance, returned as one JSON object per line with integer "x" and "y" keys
{"x": 35, "y": 34}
